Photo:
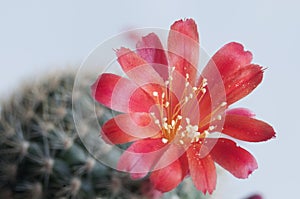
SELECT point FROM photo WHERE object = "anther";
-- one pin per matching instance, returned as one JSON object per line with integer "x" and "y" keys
{"x": 211, "y": 128}
{"x": 167, "y": 104}
{"x": 186, "y": 99}
{"x": 187, "y": 120}
{"x": 173, "y": 123}
{"x": 164, "y": 140}
{"x": 197, "y": 134}
{"x": 206, "y": 133}
{"x": 223, "y": 104}
{"x": 195, "y": 128}
{"x": 204, "y": 82}
{"x": 155, "y": 94}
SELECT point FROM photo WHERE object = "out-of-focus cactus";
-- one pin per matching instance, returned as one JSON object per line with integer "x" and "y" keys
{"x": 43, "y": 157}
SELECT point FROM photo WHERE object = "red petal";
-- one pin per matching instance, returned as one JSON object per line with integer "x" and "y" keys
{"x": 183, "y": 47}
{"x": 152, "y": 51}
{"x": 120, "y": 94}
{"x": 140, "y": 157}
{"x": 230, "y": 58}
{"x": 242, "y": 82}
{"x": 240, "y": 111}
{"x": 234, "y": 159}
{"x": 167, "y": 178}
{"x": 230, "y": 69}
{"x": 137, "y": 68}
{"x": 202, "y": 170}
{"x": 247, "y": 129}
{"x": 129, "y": 127}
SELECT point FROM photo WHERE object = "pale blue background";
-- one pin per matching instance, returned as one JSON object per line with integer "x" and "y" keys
{"x": 41, "y": 36}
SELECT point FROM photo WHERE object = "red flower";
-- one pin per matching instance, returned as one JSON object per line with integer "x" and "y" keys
{"x": 172, "y": 114}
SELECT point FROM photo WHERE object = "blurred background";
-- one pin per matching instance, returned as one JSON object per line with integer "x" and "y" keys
{"x": 41, "y": 36}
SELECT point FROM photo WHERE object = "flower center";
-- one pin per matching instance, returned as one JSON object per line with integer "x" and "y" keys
{"x": 171, "y": 106}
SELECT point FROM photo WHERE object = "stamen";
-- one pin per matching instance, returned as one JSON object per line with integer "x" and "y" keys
{"x": 204, "y": 82}
{"x": 186, "y": 99}
{"x": 206, "y": 133}
{"x": 179, "y": 117}
{"x": 211, "y": 128}
{"x": 167, "y": 104}
{"x": 165, "y": 126}
{"x": 195, "y": 88}
{"x": 181, "y": 142}
{"x": 163, "y": 95}
{"x": 223, "y": 104}
{"x": 173, "y": 123}
{"x": 187, "y": 120}
{"x": 197, "y": 134}
{"x": 164, "y": 140}
{"x": 219, "y": 117}
{"x": 195, "y": 128}
{"x": 155, "y": 94}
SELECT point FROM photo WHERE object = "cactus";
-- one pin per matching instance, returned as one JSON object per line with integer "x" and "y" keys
{"x": 43, "y": 157}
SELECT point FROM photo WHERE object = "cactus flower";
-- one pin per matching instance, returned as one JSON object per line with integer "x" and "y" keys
{"x": 177, "y": 118}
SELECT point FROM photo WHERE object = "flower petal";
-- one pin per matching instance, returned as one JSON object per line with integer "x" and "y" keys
{"x": 230, "y": 69}
{"x": 247, "y": 129}
{"x": 240, "y": 111}
{"x": 234, "y": 159}
{"x": 140, "y": 157}
{"x": 167, "y": 178}
{"x": 137, "y": 69}
{"x": 183, "y": 47}
{"x": 202, "y": 170}
{"x": 231, "y": 58}
{"x": 151, "y": 50}
{"x": 129, "y": 127}
{"x": 242, "y": 82}
{"x": 120, "y": 94}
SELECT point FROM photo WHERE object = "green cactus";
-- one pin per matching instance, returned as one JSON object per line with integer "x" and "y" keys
{"x": 43, "y": 157}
